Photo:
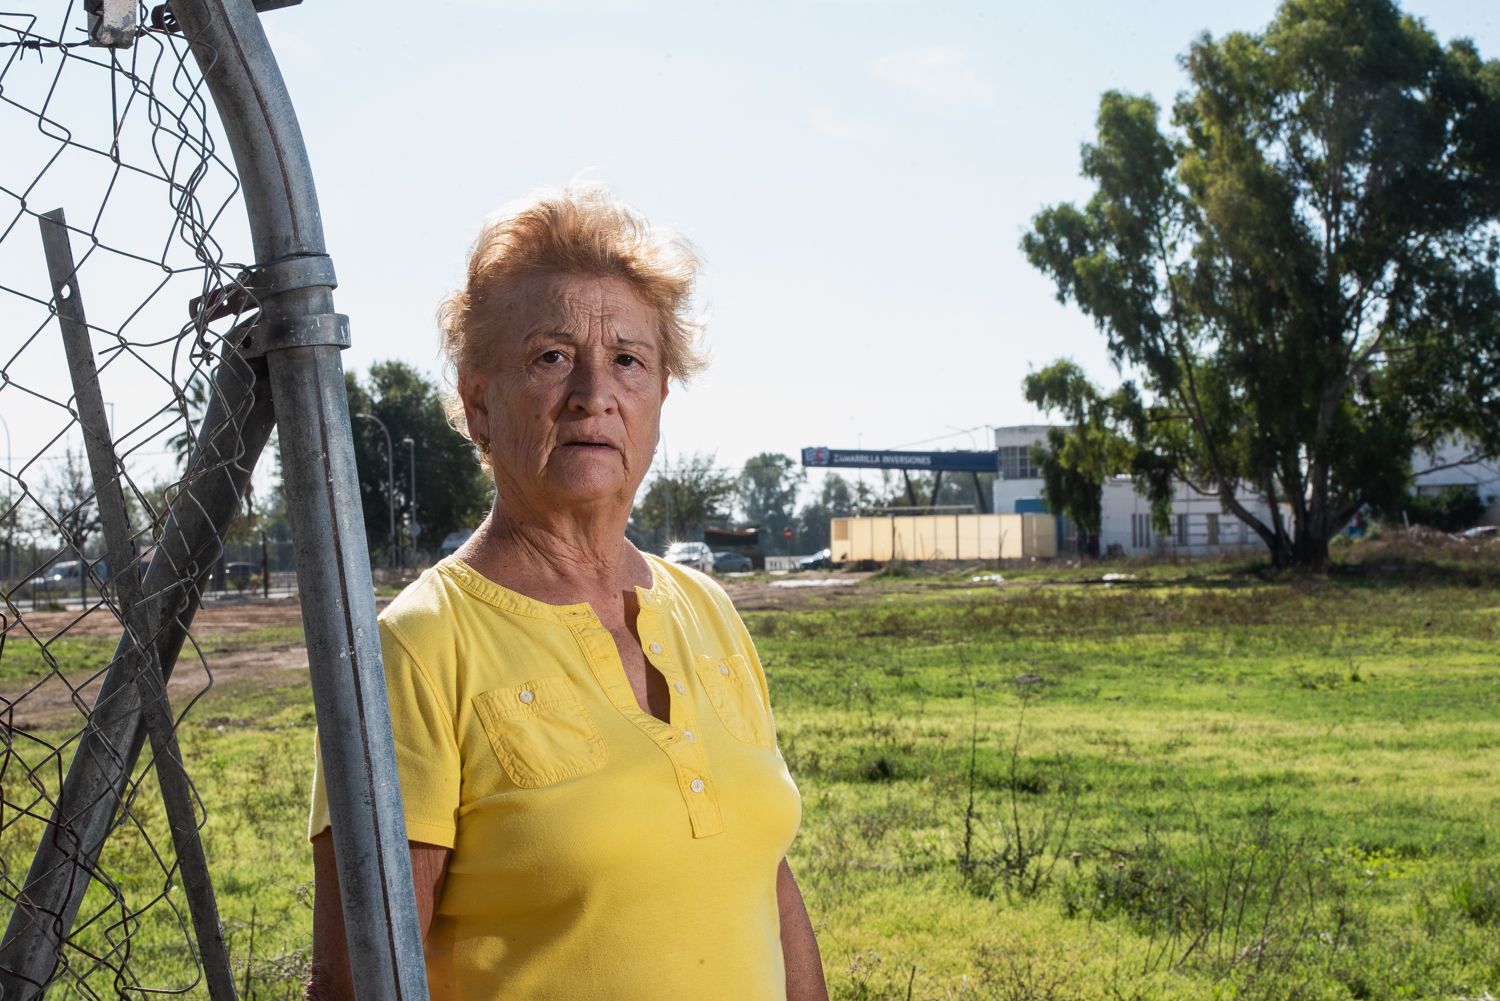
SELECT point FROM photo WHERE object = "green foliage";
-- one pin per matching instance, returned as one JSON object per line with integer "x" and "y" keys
{"x": 683, "y": 498}
{"x": 1303, "y": 271}
{"x": 838, "y": 498}
{"x": 1076, "y": 462}
{"x": 451, "y": 490}
{"x": 1453, "y": 510}
{"x": 766, "y": 492}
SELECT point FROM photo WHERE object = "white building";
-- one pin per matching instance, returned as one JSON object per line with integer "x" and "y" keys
{"x": 1200, "y": 525}
{"x": 1199, "y": 522}
{"x": 1446, "y": 467}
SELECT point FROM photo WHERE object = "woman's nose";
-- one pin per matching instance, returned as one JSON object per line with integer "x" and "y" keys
{"x": 589, "y": 390}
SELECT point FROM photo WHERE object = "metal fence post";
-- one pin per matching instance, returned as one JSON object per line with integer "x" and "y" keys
{"x": 138, "y": 612}
{"x": 300, "y": 337}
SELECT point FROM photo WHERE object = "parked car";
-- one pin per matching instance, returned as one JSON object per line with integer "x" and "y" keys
{"x": 819, "y": 560}
{"x": 691, "y": 554}
{"x": 453, "y": 540}
{"x": 729, "y": 562}
{"x": 64, "y": 576}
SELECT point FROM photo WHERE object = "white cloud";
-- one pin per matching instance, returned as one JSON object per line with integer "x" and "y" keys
{"x": 946, "y": 73}
{"x": 825, "y": 121}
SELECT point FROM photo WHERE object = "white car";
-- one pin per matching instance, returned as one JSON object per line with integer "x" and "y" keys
{"x": 691, "y": 554}
{"x": 65, "y": 576}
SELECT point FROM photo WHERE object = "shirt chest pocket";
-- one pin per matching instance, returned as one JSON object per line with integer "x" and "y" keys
{"x": 735, "y": 695}
{"x": 541, "y": 732}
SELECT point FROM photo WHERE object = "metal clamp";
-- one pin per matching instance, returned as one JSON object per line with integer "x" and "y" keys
{"x": 290, "y": 273}
{"x": 264, "y": 280}
{"x": 321, "y": 330}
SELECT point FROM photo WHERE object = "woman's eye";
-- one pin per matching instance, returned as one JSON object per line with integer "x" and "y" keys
{"x": 551, "y": 357}
{"x": 627, "y": 361}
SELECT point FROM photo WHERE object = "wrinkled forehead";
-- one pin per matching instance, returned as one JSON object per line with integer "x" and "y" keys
{"x": 578, "y": 305}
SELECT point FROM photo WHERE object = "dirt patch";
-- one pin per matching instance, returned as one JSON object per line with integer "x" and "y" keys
{"x": 56, "y": 702}
{"x": 216, "y": 618}
{"x": 61, "y": 702}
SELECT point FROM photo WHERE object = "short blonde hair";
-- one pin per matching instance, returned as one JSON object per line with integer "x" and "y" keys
{"x": 578, "y": 230}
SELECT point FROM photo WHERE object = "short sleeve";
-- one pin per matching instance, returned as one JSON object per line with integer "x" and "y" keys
{"x": 427, "y": 756}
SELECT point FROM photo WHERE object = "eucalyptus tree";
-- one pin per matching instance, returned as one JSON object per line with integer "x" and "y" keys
{"x": 1299, "y": 274}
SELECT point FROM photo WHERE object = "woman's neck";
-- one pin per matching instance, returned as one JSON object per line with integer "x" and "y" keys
{"x": 556, "y": 560}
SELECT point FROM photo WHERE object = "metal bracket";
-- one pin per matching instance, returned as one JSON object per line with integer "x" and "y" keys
{"x": 112, "y": 23}
{"x": 254, "y": 284}
{"x": 326, "y": 329}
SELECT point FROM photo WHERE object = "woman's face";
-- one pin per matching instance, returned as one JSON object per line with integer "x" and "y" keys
{"x": 571, "y": 403}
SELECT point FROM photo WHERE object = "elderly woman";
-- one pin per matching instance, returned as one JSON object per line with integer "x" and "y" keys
{"x": 593, "y": 793}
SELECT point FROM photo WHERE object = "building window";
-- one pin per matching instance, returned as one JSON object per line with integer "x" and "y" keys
{"x": 1140, "y": 531}
{"x": 1182, "y": 529}
{"x": 1213, "y": 528}
{"x": 1016, "y": 464}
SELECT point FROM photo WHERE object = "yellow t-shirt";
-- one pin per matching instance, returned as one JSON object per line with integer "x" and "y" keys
{"x": 598, "y": 852}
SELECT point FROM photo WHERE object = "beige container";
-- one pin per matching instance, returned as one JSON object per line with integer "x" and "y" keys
{"x": 944, "y": 537}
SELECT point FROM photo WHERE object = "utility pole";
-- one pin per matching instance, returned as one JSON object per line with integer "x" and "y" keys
{"x": 411, "y": 489}
{"x": 390, "y": 481}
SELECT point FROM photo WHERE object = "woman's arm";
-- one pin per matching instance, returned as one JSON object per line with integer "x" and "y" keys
{"x": 799, "y": 948}
{"x": 330, "y": 980}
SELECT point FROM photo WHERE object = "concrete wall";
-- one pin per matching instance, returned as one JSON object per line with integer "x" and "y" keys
{"x": 944, "y": 537}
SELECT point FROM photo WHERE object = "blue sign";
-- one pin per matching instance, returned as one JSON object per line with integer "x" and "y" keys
{"x": 921, "y": 462}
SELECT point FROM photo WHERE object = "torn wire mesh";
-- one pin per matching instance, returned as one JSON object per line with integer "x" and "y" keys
{"x": 123, "y": 140}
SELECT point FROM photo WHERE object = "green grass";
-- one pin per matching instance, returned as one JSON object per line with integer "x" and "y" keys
{"x": 1207, "y": 782}
{"x": 1203, "y": 783}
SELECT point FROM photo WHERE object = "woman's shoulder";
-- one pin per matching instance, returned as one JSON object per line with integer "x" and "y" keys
{"x": 429, "y": 604}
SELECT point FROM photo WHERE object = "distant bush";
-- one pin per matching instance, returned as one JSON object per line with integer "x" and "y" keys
{"x": 1453, "y": 510}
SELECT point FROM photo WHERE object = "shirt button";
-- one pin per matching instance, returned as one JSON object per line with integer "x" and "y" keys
{"x": 656, "y": 648}
{"x": 526, "y": 695}
{"x": 680, "y": 687}
{"x": 723, "y": 668}
{"x": 687, "y": 735}
{"x": 697, "y": 785}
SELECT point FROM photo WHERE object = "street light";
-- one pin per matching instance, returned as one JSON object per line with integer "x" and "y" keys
{"x": 411, "y": 487}
{"x": 390, "y": 477}
{"x": 9, "y": 514}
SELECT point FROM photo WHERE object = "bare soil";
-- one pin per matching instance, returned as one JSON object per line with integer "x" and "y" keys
{"x": 57, "y": 702}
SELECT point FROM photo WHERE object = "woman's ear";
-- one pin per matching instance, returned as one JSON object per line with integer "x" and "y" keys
{"x": 471, "y": 391}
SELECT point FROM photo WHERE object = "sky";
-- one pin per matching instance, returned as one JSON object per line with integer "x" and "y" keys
{"x": 856, "y": 173}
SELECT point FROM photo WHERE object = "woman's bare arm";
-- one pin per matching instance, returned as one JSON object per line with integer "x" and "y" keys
{"x": 799, "y": 948}
{"x": 330, "y": 980}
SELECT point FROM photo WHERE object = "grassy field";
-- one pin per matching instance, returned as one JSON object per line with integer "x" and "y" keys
{"x": 1202, "y": 782}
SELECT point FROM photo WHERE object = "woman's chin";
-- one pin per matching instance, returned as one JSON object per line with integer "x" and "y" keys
{"x": 588, "y": 487}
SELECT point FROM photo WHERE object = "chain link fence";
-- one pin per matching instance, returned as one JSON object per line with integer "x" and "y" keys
{"x": 112, "y": 153}
{"x": 137, "y": 359}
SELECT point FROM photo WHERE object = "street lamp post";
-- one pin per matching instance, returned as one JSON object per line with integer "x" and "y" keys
{"x": 411, "y": 488}
{"x": 10, "y": 516}
{"x": 390, "y": 478}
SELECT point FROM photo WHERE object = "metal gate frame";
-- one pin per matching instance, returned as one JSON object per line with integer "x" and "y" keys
{"x": 285, "y": 368}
